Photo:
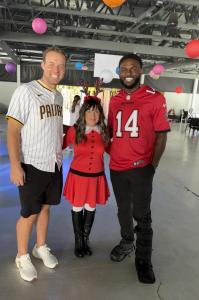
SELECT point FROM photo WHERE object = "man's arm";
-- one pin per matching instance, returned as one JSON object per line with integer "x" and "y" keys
{"x": 17, "y": 174}
{"x": 160, "y": 144}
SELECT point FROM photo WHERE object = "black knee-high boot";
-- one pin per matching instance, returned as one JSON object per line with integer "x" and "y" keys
{"x": 77, "y": 218}
{"x": 88, "y": 222}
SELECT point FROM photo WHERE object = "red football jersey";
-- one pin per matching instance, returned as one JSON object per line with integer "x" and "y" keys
{"x": 134, "y": 119}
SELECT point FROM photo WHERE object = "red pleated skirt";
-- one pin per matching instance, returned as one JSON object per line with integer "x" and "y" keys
{"x": 80, "y": 190}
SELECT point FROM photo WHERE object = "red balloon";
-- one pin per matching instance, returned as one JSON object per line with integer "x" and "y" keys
{"x": 113, "y": 3}
{"x": 192, "y": 49}
{"x": 179, "y": 89}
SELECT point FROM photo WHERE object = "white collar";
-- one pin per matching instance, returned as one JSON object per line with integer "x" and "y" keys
{"x": 89, "y": 129}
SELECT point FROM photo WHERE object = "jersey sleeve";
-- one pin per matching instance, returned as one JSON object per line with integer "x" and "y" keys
{"x": 160, "y": 120}
{"x": 69, "y": 137}
{"x": 19, "y": 106}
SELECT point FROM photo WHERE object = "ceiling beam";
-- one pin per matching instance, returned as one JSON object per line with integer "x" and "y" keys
{"x": 180, "y": 25}
{"x": 64, "y": 11}
{"x": 185, "y": 2}
{"x": 106, "y": 32}
{"x": 177, "y": 66}
{"x": 92, "y": 44}
{"x": 95, "y": 15}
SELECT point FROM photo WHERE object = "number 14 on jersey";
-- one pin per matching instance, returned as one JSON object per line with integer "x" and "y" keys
{"x": 130, "y": 126}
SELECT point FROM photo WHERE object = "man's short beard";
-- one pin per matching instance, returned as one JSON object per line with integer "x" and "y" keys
{"x": 130, "y": 87}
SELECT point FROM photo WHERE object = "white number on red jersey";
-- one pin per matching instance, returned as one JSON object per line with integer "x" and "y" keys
{"x": 131, "y": 124}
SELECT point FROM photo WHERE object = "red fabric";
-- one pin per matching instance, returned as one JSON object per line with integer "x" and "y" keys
{"x": 80, "y": 190}
{"x": 88, "y": 158}
{"x": 146, "y": 111}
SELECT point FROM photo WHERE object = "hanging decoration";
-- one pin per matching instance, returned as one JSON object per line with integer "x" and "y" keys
{"x": 39, "y": 25}
{"x": 114, "y": 3}
{"x": 179, "y": 89}
{"x": 158, "y": 69}
{"x": 106, "y": 76}
{"x": 192, "y": 49}
{"x": 10, "y": 68}
{"x": 78, "y": 65}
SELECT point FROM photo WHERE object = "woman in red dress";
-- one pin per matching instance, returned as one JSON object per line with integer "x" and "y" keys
{"x": 86, "y": 184}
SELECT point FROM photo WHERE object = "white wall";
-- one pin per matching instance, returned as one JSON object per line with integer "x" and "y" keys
{"x": 178, "y": 101}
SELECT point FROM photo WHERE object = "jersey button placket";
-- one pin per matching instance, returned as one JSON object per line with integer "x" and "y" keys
{"x": 53, "y": 129}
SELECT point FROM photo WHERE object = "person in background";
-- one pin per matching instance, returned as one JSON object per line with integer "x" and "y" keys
{"x": 75, "y": 110}
{"x": 139, "y": 125}
{"x": 73, "y": 116}
{"x": 34, "y": 136}
{"x": 86, "y": 184}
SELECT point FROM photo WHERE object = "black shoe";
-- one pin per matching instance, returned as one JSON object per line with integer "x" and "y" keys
{"x": 120, "y": 251}
{"x": 144, "y": 271}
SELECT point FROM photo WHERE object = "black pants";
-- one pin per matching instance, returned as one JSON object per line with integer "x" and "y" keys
{"x": 133, "y": 189}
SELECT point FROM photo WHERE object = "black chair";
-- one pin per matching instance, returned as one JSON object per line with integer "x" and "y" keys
{"x": 194, "y": 125}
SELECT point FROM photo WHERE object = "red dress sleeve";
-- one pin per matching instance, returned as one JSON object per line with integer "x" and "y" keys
{"x": 69, "y": 137}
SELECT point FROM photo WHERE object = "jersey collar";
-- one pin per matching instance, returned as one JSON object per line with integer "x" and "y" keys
{"x": 45, "y": 86}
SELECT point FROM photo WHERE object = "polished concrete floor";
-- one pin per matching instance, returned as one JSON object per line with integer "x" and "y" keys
{"x": 175, "y": 210}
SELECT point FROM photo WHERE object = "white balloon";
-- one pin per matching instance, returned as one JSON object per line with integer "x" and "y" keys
{"x": 106, "y": 75}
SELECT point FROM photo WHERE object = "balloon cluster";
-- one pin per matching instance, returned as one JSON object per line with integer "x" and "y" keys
{"x": 80, "y": 66}
{"x": 156, "y": 71}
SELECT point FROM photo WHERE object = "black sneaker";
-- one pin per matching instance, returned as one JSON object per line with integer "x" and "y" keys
{"x": 144, "y": 271}
{"x": 120, "y": 251}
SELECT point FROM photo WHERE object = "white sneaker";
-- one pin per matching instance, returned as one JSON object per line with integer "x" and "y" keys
{"x": 43, "y": 252}
{"x": 26, "y": 269}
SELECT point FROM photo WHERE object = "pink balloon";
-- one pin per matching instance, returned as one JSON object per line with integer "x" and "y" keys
{"x": 10, "y": 68}
{"x": 152, "y": 74}
{"x": 84, "y": 68}
{"x": 39, "y": 25}
{"x": 158, "y": 69}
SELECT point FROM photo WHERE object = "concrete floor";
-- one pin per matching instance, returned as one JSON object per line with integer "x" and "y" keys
{"x": 175, "y": 210}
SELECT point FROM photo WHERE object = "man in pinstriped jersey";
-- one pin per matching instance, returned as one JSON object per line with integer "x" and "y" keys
{"x": 35, "y": 149}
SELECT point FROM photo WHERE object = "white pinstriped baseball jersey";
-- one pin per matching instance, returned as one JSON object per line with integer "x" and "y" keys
{"x": 39, "y": 110}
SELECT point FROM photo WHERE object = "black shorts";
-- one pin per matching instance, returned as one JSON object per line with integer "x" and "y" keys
{"x": 40, "y": 188}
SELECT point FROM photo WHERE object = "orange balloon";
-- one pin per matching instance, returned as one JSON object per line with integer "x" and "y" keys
{"x": 113, "y": 3}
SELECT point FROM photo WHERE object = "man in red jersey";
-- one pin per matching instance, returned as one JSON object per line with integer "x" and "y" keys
{"x": 139, "y": 125}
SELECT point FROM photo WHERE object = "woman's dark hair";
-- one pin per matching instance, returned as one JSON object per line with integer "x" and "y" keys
{"x": 75, "y": 102}
{"x": 131, "y": 56}
{"x": 92, "y": 103}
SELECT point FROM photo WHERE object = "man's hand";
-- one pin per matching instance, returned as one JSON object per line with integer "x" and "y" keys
{"x": 17, "y": 175}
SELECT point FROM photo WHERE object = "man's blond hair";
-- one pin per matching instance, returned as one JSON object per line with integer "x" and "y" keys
{"x": 53, "y": 49}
